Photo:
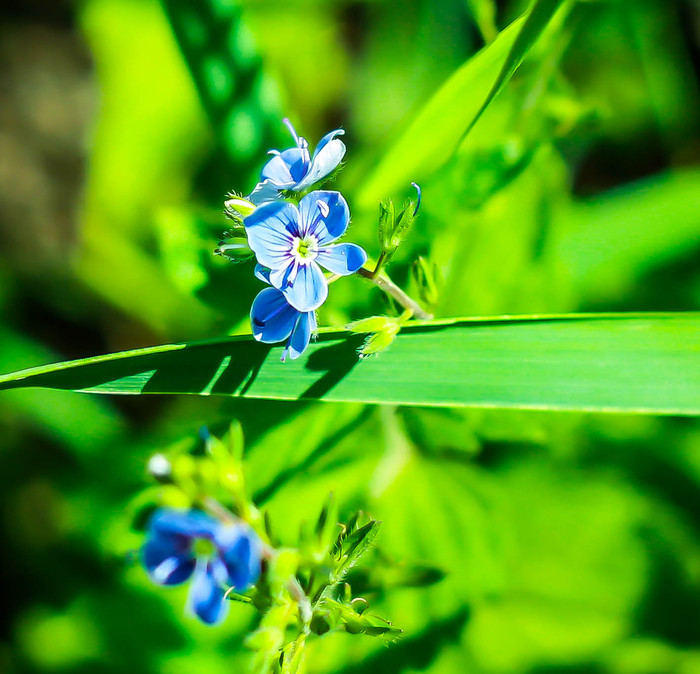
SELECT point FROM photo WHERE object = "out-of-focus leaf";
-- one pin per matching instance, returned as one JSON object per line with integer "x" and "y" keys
{"x": 605, "y": 243}
{"x": 539, "y": 16}
{"x": 565, "y": 596}
{"x": 239, "y": 99}
{"x": 145, "y": 291}
{"x": 647, "y": 363}
{"x": 449, "y": 115}
{"x": 138, "y": 162}
{"x": 484, "y": 13}
{"x": 82, "y": 425}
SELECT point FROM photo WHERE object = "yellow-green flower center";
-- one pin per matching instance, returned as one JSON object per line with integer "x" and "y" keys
{"x": 203, "y": 548}
{"x": 305, "y": 249}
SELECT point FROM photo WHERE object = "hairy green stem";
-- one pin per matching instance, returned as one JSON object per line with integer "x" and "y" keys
{"x": 383, "y": 282}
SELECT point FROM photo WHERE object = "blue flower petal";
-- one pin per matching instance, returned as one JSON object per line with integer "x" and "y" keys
{"x": 184, "y": 523}
{"x": 301, "y": 335}
{"x": 262, "y": 273}
{"x": 206, "y": 597}
{"x": 328, "y": 155}
{"x": 326, "y": 140}
{"x": 323, "y": 214}
{"x": 279, "y": 278}
{"x": 240, "y": 551}
{"x": 271, "y": 317}
{"x": 168, "y": 561}
{"x": 286, "y": 168}
{"x": 309, "y": 289}
{"x": 263, "y": 192}
{"x": 342, "y": 258}
{"x": 270, "y": 229}
{"x": 167, "y": 554}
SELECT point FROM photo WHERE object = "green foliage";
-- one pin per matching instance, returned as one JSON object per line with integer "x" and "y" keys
{"x": 301, "y": 589}
{"x": 512, "y": 540}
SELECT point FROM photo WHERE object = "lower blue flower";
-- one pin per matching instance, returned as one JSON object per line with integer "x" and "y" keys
{"x": 191, "y": 544}
{"x": 273, "y": 319}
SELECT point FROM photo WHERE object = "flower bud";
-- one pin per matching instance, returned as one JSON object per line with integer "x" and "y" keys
{"x": 238, "y": 208}
{"x": 159, "y": 467}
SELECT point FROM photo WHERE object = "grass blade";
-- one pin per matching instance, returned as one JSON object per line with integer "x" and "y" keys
{"x": 452, "y": 112}
{"x": 646, "y": 363}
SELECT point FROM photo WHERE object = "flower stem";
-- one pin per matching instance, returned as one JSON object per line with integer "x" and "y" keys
{"x": 383, "y": 282}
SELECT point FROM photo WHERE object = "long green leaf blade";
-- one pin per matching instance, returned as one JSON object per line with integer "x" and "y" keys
{"x": 647, "y": 363}
{"x": 449, "y": 115}
{"x": 534, "y": 24}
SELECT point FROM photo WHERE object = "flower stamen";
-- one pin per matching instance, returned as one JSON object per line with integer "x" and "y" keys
{"x": 305, "y": 249}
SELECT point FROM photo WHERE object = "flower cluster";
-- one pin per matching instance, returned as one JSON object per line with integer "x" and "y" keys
{"x": 191, "y": 544}
{"x": 205, "y": 529}
{"x": 292, "y": 229}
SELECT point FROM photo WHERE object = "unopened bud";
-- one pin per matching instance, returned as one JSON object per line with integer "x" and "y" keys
{"x": 371, "y": 324}
{"x": 238, "y": 207}
{"x": 159, "y": 467}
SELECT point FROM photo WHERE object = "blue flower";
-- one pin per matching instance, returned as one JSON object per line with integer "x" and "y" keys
{"x": 294, "y": 243}
{"x": 294, "y": 169}
{"x": 191, "y": 544}
{"x": 273, "y": 319}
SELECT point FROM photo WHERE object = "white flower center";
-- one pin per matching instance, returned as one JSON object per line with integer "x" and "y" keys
{"x": 305, "y": 250}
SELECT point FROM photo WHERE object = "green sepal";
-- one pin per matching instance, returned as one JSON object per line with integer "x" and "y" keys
{"x": 293, "y": 656}
{"x": 387, "y": 221}
{"x": 351, "y": 546}
{"x": 403, "y": 225}
{"x": 378, "y": 342}
{"x": 236, "y": 208}
{"x": 371, "y": 324}
{"x": 427, "y": 277}
{"x": 382, "y": 329}
{"x": 235, "y": 596}
{"x": 333, "y": 614}
{"x": 235, "y": 249}
{"x": 327, "y": 524}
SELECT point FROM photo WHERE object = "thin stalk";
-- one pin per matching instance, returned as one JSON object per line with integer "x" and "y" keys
{"x": 380, "y": 264}
{"x": 390, "y": 288}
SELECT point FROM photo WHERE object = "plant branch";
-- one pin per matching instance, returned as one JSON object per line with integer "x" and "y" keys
{"x": 390, "y": 288}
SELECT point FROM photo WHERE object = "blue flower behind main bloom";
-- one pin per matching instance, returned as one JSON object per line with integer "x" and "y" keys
{"x": 273, "y": 319}
{"x": 191, "y": 544}
{"x": 294, "y": 243}
{"x": 294, "y": 169}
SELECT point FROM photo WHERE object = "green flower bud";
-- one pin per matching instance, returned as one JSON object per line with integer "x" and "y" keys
{"x": 238, "y": 208}
{"x": 371, "y": 324}
{"x": 235, "y": 249}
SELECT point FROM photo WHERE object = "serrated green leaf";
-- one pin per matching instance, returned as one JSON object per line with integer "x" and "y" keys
{"x": 646, "y": 363}
{"x": 355, "y": 545}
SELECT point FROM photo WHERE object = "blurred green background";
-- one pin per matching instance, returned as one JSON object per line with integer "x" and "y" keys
{"x": 570, "y": 542}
